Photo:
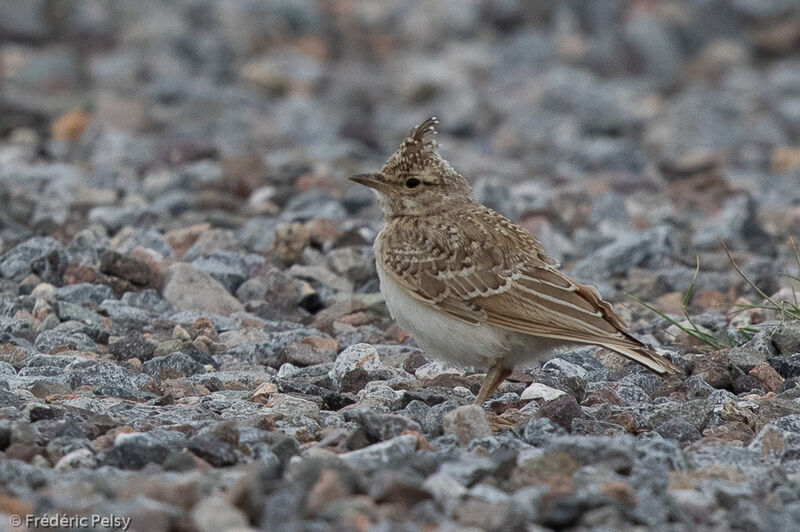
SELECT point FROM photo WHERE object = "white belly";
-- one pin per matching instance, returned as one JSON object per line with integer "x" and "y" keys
{"x": 456, "y": 342}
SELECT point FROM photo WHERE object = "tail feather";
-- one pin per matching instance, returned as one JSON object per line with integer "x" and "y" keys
{"x": 647, "y": 357}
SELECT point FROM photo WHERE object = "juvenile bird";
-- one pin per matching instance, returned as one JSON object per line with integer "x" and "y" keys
{"x": 472, "y": 287}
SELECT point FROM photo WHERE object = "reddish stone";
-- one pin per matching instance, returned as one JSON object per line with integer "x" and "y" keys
{"x": 561, "y": 410}
{"x": 22, "y": 451}
{"x": 671, "y": 303}
{"x": 70, "y": 126}
{"x": 319, "y": 342}
{"x": 709, "y": 299}
{"x": 328, "y": 488}
{"x": 157, "y": 268}
{"x": 768, "y": 377}
{"x": 182, "y": 239}
{"x": 734, "y": 432}
{"x": 602, "y": 397}
{"x": 308, "y": 182}
{"x": 245, "y": 173}
{"x": 414, "y": 361}
{"x": 323, "y": 230}
{"x": 395, "y": 334}
{"x": 79, "y": 273}
{"x": 356, "y": 319}
{"x": 107, "y": 439}
{"x": 206, "y": 327}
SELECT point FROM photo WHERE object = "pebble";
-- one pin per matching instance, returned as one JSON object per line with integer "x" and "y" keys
{"x": 216, "y": 513}
{"x": 189, "y": 289}
{"x": 467, "y": 423}
{"x": 359, "y": 358}
{"x": 538, "y": 390}
{"x": 389, "y": 453}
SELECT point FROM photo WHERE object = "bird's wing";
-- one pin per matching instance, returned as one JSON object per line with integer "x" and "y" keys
{"x": 481, "y": 268}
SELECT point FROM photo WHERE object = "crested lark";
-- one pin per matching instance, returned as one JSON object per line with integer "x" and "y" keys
{"x": 473, "y": 288}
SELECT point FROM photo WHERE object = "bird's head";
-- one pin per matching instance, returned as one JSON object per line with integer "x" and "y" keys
{"x": 415, "y": 180}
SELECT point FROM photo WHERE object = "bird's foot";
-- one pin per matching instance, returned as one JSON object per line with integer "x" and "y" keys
{"x": 497, "y": 423}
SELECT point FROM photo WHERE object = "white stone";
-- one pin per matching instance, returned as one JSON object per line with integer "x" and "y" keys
{"x": 434, "y": 369}
{"x": 215, "y": 513}
{"x": 445, "y": 489}
{"x": 286, "y": 370}
{"x": 362, "y": 356}
{"x": 539, "y": 391}
{"x": 566, "y": 368}
{"x": 79, "y": 458}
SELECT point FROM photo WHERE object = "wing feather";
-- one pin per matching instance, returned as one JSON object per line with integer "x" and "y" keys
{"x": 481, "y": 268}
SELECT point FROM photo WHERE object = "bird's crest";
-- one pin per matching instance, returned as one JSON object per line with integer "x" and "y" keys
{"x": 418, "y": 150}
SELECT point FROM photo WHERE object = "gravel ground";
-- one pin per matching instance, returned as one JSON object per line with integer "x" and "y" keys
{"x": 191, "y": 332}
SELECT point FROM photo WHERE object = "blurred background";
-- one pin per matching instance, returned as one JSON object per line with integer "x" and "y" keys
{"x": 658, "y": 125}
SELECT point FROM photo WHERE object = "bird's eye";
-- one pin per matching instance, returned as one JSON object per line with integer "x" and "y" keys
{"x": 412, "y": 182}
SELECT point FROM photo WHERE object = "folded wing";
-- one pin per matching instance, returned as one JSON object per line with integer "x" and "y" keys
{"x": 481, "y": 268}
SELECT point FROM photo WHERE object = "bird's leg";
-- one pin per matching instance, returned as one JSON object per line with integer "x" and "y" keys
{"x": 494, "y": 378}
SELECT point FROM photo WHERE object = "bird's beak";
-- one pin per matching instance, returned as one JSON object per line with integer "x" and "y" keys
{"x": 372, "y": 181}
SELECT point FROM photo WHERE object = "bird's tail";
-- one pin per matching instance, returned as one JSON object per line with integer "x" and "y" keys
{"x": 647, "y": 357}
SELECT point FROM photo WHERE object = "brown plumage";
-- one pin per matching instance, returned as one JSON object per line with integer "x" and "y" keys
{"x": 478, "y": 274}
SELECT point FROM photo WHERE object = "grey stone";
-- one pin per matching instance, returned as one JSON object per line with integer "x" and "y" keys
{"x": 779, "y": 441}
{"x": 787, "y": 337}
{"x": 380, "y": 427}
{"x": 230, "y": 269}
{"x": 313, "y": 205}
{"x": 467, "y": 423}
{"x": 652, "y": 249}
{"x": 115, "y": 218}
{"x": 70, "y": 311}
{"x": 136, "y": 450}
{"x": 133, "y": 345}
{"x": 716, "y": 455}
{"x": 41, "y": 255}
{"x": 173, "y": 365}
{"x": 125, "y": 315}
{"x": 147, "y": 238}
{"x": 212, "y": 241}
{"x": 738, "y": 225}
{"x": 745, "y": 358}
{"x": 8, "y": 398}
{"x": 221, "y": 323}
{"x": 655, "y": 45}
{"x": 77, "y": 459}
{"x": 386, "y": 454}
{"x": 258, "y": 234}
{"x": 190, "y": 289}
{"x": 680, "y": 430}
{"x": 696, "y": 412}
{"x": 216, "y": 445}
{"x": 355, "y": 263}
{"x": 362, "y": 357}
{"x": 25, "y": 20}
{"x": 87, "y": 246}
{"x": 110, "y": 379}
{"x": 84, "y": 293}
{"x": 53, "y": 339}
{"x": 787, "y": 366}
{"x": 434, "y": 418}
{"x": 148, "y": 299}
